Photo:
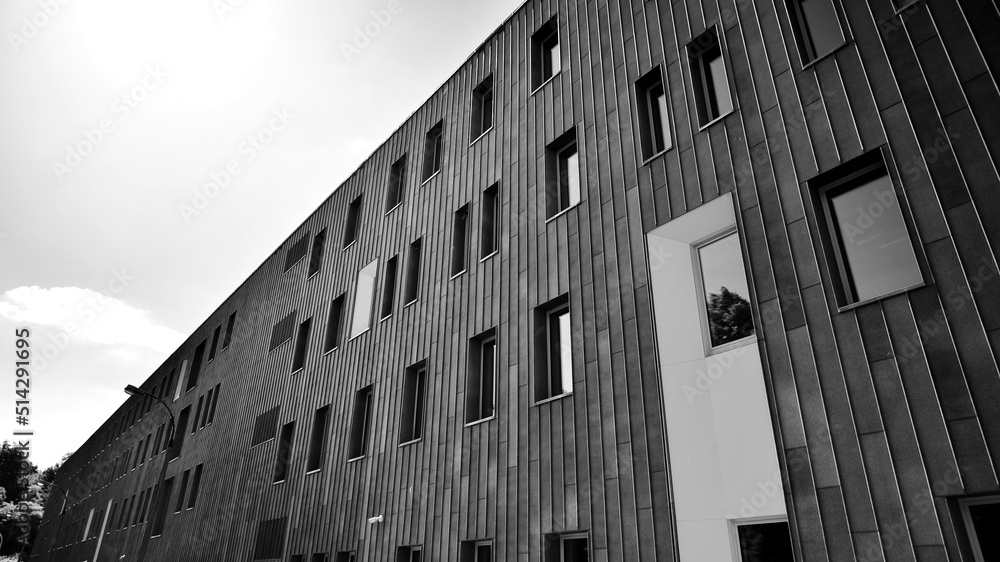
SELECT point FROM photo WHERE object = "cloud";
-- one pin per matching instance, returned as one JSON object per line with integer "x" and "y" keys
{"x": 89, "y": 317}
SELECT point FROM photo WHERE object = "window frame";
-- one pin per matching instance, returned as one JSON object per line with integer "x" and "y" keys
{"x": 541, "y": 49}
{"x": 554, "y": 178}
{"x": 489, "y": 337}
{"x": 366, "y": 423}
{"x": 803, "y": 35}
{"x": 389, "y": 279}
{"x": 300, "y": 353}
{"x": 970, "y": 530}
{"x": 480, "y": 94}
{"x": 418, "y": 407}
{"x": 654, "y": 78}
{"x": 316, "y": 252}
{"x": 460, "y": 230}
{"x": 397, "y": 183}
{"x": 334, "y": 335}
{"x": 542, "y": 319}
{"x": 354, "y": 209}
{"x": 489, "y": 221}
{"x": 318, "y": 433}
{"x": 414, "y": 264}
{"x": 371, "y": 304}
{"x": 699, "y": 281}
{"x": 701, "y": 78}
{"x": 433, "y": 152}
{"x": 734, "y": 531}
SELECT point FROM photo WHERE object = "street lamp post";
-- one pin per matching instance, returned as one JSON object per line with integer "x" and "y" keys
{"x": 158, "y": 487}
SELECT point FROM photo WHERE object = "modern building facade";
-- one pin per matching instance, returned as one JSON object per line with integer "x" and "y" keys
{"x": 678, "y": 281}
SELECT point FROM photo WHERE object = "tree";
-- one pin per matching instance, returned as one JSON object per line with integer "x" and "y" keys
{"x": 729, "y": 317}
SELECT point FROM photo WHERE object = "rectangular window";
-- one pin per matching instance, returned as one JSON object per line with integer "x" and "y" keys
{"x": 476, "y": 551}
{"x": 199, "y": 355}
{"x": 765, "y": 541}
{"x": 545, "y": 55}
{"x": 570, "y": 547}
{"x": 208, "y": 408}
{"x": 317, "y": 439}
{"x": 490, "y": 237}
{"x": 170, "y": 383}
{"x": 297, "y": 558}
{"x": 297, "y": 251}
{"x": 195, "y": 485}
{"x": 397, "y": 180}
{"x": 264, "y": 427}
{"x": 460, "y": 233}
{"x": 409, "y": 554}
{"x": 197, "y": 414}
{"x": 816, "y": 26}
{"x": 562, "y": 182}
{"x": 413, "y": 271}
{"x": 360, "y": 422}
{"x": 345, "y": 556}
{"x": 867, "y": 241}
{"x": 725, "y": 290}
{"x": 433, "y": 146}
{"x": 553, "y": 349}
{"x": 982, "y": 519}
{"x": 270, "y": 541}
{"x": 179, "y": 506}
{"x": 140, "y": 506}
{"x": 215, "y": 402}
{"x": 389, "y": 287}
{"x": 284, "y": 457}
{"x": 364, "y": 295}
{"x": 215, "y": 343}
{"x": 480, "y": 387}
{"x": 411, "y": 420}
{"x": 301, "y": 346}
{"x": 482, "y": 108}
{"x": 316, "y": 256}
{"x": 333, "y": 323}
{"x": 654, "y": 120}
{"x": 160, "y": 510}
{"x": 156, "y": 443}
{"x": 229, "y": 331}
{"x": 180, "y": 379}
{"x": 282, "y": 331}
{"x": 351, "y": 227}
{"x": 180, "y": 432}
{"x": 709, "y": 78}
{"x": 320, "y": 557}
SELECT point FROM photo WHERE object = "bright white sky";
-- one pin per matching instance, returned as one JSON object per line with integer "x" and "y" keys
{"x": 95, "y": 254}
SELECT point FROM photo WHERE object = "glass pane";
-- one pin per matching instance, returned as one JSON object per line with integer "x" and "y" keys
{"x": 554, "y": 57}
{"x": 565, "y": 352}
{"x": 765, "y": 542}
{"x": 822, "y": 25}
{"x": 726, "y": 291}
{"x": 986, "y": 520}
{"x": 488, "y": 376}
{"x": 575, "y": 550}
{"x": 573, "y": 178}
{"x": 363, "y": 299}
{"x": 483, "y": 553}
{"x": 661, "y": 105}
{"x": 720, "y": 84}
{"x": 874, "y": 239}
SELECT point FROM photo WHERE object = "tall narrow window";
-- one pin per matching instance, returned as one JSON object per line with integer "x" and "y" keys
{"x": 316, "y": 256}
{"x": 351, "y": 227}
{"x": 333, "y": 324}
{"x": 654, "y": 123}
{"x": 571, "y": 547}
{"x": 160, "y": 509}
{"x": 562, "y": 182}
{"x": 816, "y": 26}
{"x": 230, "y": 325}
{"x": 982, "y": 519}
{"x": 317, "y": 439}
{"x": 433, "y": 145}
{"x": 490, "y": 238}
{"x": 397, "y": 181}
{"x": 179, "y": 432}
{"x": 389, "y": 287}
{"x": 476, "y": 551}
{"x": 179, "y": 506}
{"x": 208, "y": 406}
{"x": 868, "y": 244}
{"x": 215, "y": 343}
{"x": 482, "y": 108}
{"x": 364, "y": 295}
{"x": 553, "y": 349}
{"x": 301, "y": 346}
{"x": 480, "y": 388}
{"x": 195, "y": 485}
{"x": 710, "y": 80}
{"x": 765, "y": 541}
{"x": 545, "y": 55}
{"x": 284, "y": 457}
{"x": 197, "y": 414}
{"x": 215, "y": 402}
{"x": 360, "y": 423}
{"x": 411, "y": 420}
{"x": 724, "y": 285}
{"x": 199, "y": 355}
{"x": 413, "y": 271}
{"x": 460, "y": 235}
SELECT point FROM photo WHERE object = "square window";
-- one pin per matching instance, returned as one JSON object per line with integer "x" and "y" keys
{"x": 321, "y": 557}
{"x": 353, "y": 217}
{"x": 709, "y": 77}
{"x": 317, "y": 439}
{"x": 389, "y": 287}
{"x": 460, "y": 236}
{"x": 433, "y": 145}
{"x": 316, "y": 257}
{"x": 569, "y": 547}
{"x": 411, "y": 421}
{"x": 284, "y": 455}
{"x": 490, "y": 238}
{"x": 765, "y": 541}
{"x": 546, "y": 60}
{"x": 409, "y": 554}
{"x": 982, "y": 519}
{"x": 345, "y": 556}
{"x": 562, "y": 182}
{"x": 364, "y": 296}
{"x": 397, "y": 178}
{"x": 482, "y": 108}
{"x": 333, "y": 324}
{"x": 297, "y": 251}
{"x": 480, "y": 387}
{"x": 413, "y": 271}
{"x": 867, "y": 241}
{"x": 817, "y": 27}
{"x": 553, "y": 349}
{"x": 724, "y": 287}
{"x": 476, "y": 551}
{"x": 654, "y": 120}
{"x": 360, "y": 423}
